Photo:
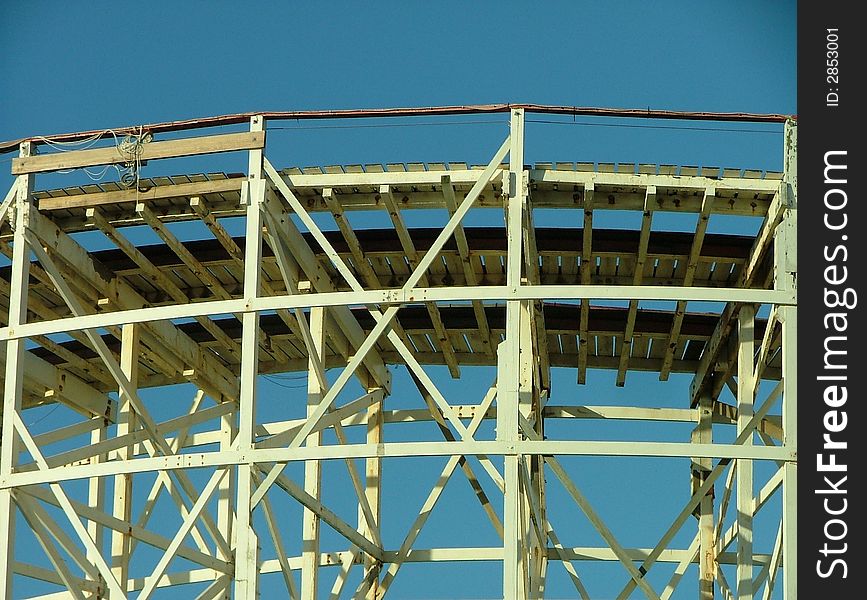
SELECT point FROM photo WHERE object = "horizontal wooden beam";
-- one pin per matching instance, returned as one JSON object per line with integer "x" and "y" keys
{"x": 157, "y": 192}
{"x": 110, "y": 156}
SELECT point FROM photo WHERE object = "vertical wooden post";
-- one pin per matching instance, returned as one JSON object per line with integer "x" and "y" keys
{"x": 226, "y": 491}
{"x": 96, "y": 492}
{"x": 126, "y": 423}
{"x": 246, "y": 549}
{"x": 13, "y": 387}
{"x": 785, "y": 277}
{"x": 508, "y": 365}
{"x": 312, "y": 468}
{"x": 373, "y": 487}
{"x": 746, "y": 396}
{"x": 703, "y": 434}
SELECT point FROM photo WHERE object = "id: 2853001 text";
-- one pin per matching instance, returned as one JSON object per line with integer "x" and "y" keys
{"x": 832, "y": 66}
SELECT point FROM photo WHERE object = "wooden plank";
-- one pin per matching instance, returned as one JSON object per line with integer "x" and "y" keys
{"x": 156, "y": 192}
{"x": 626, "y": 266}
{"x": 554, "y": 343}
{"x": 457, "y": 341}
{"x": 607, "y": 267}
{"x": 493, "y": 266}
{"x": 569, "y": 342}
{"x": 550, "y": 270}
{"x": 665, "y": 269}
{"x": 569, "y": 267}
{"x": 421, "y": 343}
{"x": 210, "y": 374}
{"x": 640, "y": 345}
{"x": 657, "y": 347}
{"x": 150, "y": 151}
{"x": 721, "y": 272}
{"x": 702, "y": 272}
{"x": 605, "y": 344}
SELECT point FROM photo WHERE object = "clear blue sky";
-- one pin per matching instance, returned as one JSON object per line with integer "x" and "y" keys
{"x": 81, "y": 66}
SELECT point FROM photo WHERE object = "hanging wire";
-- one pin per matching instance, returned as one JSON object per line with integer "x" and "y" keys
{"x": 130, "y": 148}
{"x": 500, "y": 122}
{"x": 82, "y": 144}
{"x": 45, "y": 416}
{"x": 274, "y": 380}
{"x": 639, "y": 126}
{"x": 388, "y": 125}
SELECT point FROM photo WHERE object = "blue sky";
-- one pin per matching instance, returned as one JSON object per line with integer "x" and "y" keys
{"x": 81, "y": 66}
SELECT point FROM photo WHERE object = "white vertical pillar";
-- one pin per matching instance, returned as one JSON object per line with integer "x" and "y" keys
{"x": 746, "y": 396}
{"x": 96, "y": 492}
{"x": 508, "y": 364}
{"x": 13, "y": 388}
{"x": 785, "y": 277}
{"x": 246, "y": 548}
{"x": 312, "y": 468}
{"x": 373, "y": 487}
{"x": 126, "y": 423}
{"x": 703, "y": 434}
{"x": 226, "y": 492}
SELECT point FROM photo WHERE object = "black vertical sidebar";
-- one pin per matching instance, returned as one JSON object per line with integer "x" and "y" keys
{"x": 831, "y": 301}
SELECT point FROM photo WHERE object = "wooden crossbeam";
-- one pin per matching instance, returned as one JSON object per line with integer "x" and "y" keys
{"x": 231, "y": 247}
{"x": 157, "y": 192}
{"x": 359, "y": 259}
{"x": 288, "y": 232}
{"x": 718, "y": 342}
{"x": 641, "y": 259}
{"x": 689, "y": 275}
{"x": 150, "y": 151}
{"x": 413, "y": 258}
{"x": 195, "y": 265}
{"x": 159, "y": 278}
{"x": 207, "y": 370}
{"x": 42, "y": 379}
{"x": 488, "y": 344}
{"x": 156, "y": 355}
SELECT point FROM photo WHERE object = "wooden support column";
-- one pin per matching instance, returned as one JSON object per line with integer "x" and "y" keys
{"x": 746, "y": 396}
{"x": 13, "y": 384}
{"x": 312, "y": 468}
{"x": 703, "y": 434}
{"x": 527, "y": 408}
{"x": 508, "y": 366}
{"x": 126, "y": 423}
{"x": 785, "y": 277}
{"x": 96, "y": 491}
{"x": 226, "y": 492}
{"x": 373, "y": 489}
{"x": 246, "y": 548}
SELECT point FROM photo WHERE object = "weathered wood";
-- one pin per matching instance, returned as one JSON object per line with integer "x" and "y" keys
{"x": 413, "y": 257}
{"x": 150, "y": 151}
{"x": 641, "y": 258}
{"x": 692, "y": 264}
{"x": 157, "y": 192}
